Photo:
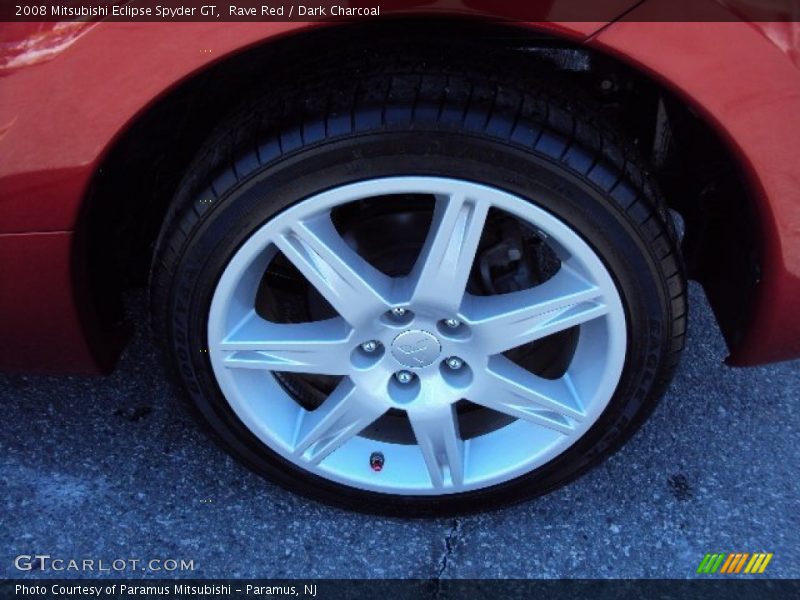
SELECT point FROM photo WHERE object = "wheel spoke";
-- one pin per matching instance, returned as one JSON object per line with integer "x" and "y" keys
{"x": 442, "y": 269}
{"x": 506, "y": 321}
{"x": 321, "y": 347}
{"x": 353, "y": 287}
{"x": 343, "y": 415}
{"x": 436, "y": 430}
{"x": 552, "y": 403}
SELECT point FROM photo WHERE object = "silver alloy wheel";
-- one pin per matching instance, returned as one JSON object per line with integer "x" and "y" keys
{"x": 549, "y": 415}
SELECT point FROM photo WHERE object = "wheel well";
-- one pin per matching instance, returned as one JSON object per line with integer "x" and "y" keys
{"x": 698, "y": 174}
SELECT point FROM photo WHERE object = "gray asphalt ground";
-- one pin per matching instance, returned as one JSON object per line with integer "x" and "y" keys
{"x": 115, "y": 468}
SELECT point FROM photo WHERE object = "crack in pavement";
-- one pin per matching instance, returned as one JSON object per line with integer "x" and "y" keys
{"x": 450, "y": 541}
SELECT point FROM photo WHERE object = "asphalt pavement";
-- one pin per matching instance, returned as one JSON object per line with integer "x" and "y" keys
{"x": 115, "y": 468}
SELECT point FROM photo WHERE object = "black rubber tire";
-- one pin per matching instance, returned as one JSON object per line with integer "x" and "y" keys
{"x": 374, "y": 116}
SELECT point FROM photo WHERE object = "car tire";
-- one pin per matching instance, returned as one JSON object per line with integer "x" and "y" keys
{"x": 526, "y": 138}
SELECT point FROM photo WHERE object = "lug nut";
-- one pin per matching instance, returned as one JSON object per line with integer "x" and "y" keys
{"x": 452, "y": 323}
{"x": 398, "y": 312}
{"x": 404, "y": 377}
{"x": 369, "y": 346}
{"x": 455, "y": 363}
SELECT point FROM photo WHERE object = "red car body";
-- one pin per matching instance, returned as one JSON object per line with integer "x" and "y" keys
{"x": 69, "y": 92}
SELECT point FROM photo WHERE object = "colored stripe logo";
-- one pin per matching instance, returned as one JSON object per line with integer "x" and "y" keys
{"x": 734, "y": 563}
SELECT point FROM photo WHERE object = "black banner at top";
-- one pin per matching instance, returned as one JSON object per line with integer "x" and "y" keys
{"x": 323, "y": 10}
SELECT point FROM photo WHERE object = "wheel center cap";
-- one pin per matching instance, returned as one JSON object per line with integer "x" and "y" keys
{"x": 416, "y": 349}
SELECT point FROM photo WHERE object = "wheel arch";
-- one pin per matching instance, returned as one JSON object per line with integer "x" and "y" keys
{"x": 742, "y": 80}
{"x": 176, "y": 122}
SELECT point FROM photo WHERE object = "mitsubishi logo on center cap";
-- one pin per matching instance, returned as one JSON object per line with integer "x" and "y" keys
{"x": 416, "y": 349}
